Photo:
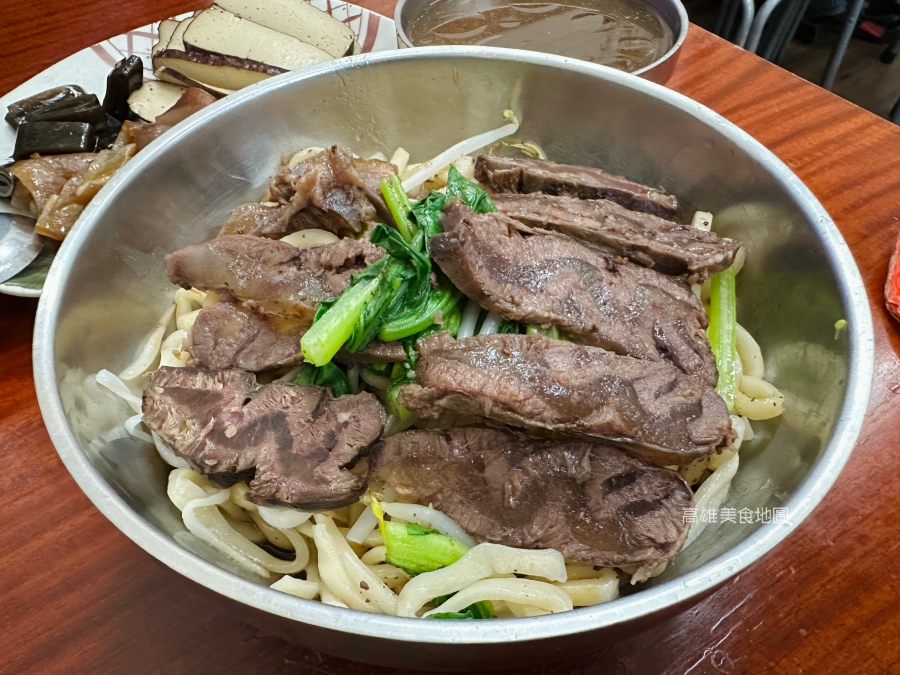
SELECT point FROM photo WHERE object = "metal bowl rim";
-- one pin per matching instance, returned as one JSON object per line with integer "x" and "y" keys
{"x": 646, "y": 602}
{"x": 683, "y": 20}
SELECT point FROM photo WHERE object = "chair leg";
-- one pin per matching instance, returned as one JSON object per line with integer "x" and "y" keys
{"x": 890, "y": 52}
{"x": 727, "y": 16}
{"x": 747, "y": 15}
{"x": 894, "y": 115}
{"x": 787, "y": 27}
{"x": 782, "y": 19}
{"x": 759, "y": 23}
{"x": 722, "y": 17}
{"x": 837, "y": 54}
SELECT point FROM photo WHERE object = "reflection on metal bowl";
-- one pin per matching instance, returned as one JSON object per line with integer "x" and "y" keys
{"x": 108, "y": 286}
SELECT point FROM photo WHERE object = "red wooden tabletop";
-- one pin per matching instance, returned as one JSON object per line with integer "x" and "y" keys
{"x": 77, "y": 596}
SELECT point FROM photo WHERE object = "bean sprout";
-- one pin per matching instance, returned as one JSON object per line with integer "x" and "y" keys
{"x": 433, "y": 167}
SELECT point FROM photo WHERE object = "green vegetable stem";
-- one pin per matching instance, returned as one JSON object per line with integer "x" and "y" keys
{"x": 723, "y": 332}
{"x": 414, "y": 548}
{"x": 335, "y": 326}
{"x": 399, "y": 206}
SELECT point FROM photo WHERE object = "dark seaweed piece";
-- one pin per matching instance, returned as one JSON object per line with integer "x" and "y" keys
{"x": 277, "y": 551}
{"x": 107, "y": 133}
{"x": 127, "y": 76}
{"x": 53, "y": 138}
{"x": 78, "y": 108}
{"x": 16, "y": 112}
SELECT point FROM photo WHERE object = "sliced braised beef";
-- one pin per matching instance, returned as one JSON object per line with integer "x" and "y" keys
{"x": 294, "y": 444}
{"x": 226, "y": 335}
{"x": 643, "y": 238}
{"x": 541, "y": 278}
{"x": 508, "y": 174}
{"x": 256, "y": 218}
{"x": 332, "y": 190}
{"x": 588, "y": 500}
{"x": 660, "y": 414}
{"x": 272, "y": 277}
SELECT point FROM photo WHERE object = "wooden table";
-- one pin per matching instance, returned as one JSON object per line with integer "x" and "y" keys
{"x": 77, "y": 596}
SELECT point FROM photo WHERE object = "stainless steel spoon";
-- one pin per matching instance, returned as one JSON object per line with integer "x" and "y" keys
{"x": 19, "y": 245}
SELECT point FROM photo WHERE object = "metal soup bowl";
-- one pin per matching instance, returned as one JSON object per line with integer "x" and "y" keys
{"x": 672, "y": 13}
{"x": 108, "y": 288}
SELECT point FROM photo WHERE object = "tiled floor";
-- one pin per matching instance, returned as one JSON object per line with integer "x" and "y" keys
{"x": 862, "y": 79}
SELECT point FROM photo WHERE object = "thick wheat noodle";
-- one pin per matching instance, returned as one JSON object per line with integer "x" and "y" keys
{"x": 481, "y": 562}
{"x": 329, "y": 598}
{"x": 590, "y": 592}
{"x": 333, "y": 563}
{"x": 400, "y": 159}
{"x": 119, "y": 388}
{"x": 237, "y": 496}
{"x": 182, "y": 484}
{"x": 245, "y": 528}
{"x": 283, "y": 518}
{"x": 236, "y": 513}
{"x": 168, "y": 456}
{"x": 145, "y": 358}
{"x": 526, "y": 592}
{"x": 525, "y": 611}
{"x": 393, "y": 577}
{"x": 757, "y": 399}
{"x": 211, "y": 526}
{"x": 750, "y": 354}
{"x": 172, "y": 352}
{"x": 374, "y": 556}
{"x": 377, "y": 592}
{"x": 711, "y": 494}
{"x": 298, "y": 587}
{"x": 131, "y": 426}
{"x": 206, "y": 534}
{"x": 234, "y": 540}
{"x": 575, "y": 571}
{"x": 187, "y": 300}
{"x": 273, "y": 535}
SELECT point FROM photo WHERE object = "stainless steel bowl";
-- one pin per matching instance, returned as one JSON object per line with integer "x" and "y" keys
{"x": 108, "y": 287}
{"x": 672, "y": 12}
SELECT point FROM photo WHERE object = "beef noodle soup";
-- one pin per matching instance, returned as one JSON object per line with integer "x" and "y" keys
{"x": 480, "y": 386}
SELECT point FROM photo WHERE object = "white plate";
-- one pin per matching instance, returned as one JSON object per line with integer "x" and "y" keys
{"x": 89, "y": 68}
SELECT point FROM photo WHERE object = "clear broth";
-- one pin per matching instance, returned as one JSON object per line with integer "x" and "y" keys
{"x": 623, "y": 34}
